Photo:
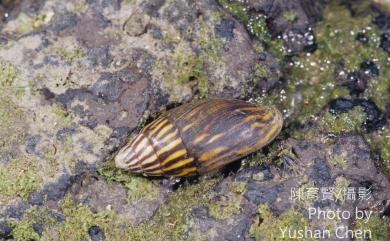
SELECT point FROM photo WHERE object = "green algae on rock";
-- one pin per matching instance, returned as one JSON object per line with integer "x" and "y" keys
{"x": 345, "y": 122}
{"x": 19, "y": 177}
{"x": 380, "y": 141}
{"x": 340, "y": 185}
{"x": 268, "y": 227}
{"x": 13, "y": 127}
{"x": 138, "y": 187}
{"x": 8, "y": 73}
{"x": 224, "y": 209}
{"x": 379, "y": 227}
{"x": 315, "y": 78}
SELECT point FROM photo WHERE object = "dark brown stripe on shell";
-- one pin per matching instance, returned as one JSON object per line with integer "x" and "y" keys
{"x": 179, "y": 169}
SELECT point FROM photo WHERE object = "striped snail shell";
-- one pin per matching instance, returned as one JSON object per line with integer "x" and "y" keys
{"x": 199, "y": 137}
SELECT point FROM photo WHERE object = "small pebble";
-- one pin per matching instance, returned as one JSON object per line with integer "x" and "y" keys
{"x": 385, "y": 42}
{"x": 357, "y": 83}
{"x": 369, "y": 67}
{"x": 96, "y": 233}
{"x": 362, "y": 38}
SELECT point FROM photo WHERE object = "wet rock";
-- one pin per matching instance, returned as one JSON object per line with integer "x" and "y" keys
{"x": 152, "y": 7}
{"x": 31, "y": 6}
{"x": 258, "y": 193}
{"x": 362, "y": 38}
{"x": 3, "y": 40}
{"x": 155, "y": 31}
{"x": 46, "y": 93}
{"x": 36, "y": 198}
{"x": 361, "y": 165}
{"x": 88, "y": 31}
{"x": 99, "y": 195}
{"x": 385, "y": 42}
{"x": 10, "y": 9}
{"x": 38, "y": 228}
{"x": 268, "y": 186}
{"x": 99, "y": 5}
{"x": 56, "y": 215}
{"x": 263, "y": 56}
{"x": 120, "y": 132}
{"x": 181, "y": 15}
{"x": 117, "y": 99}
{"x": 202, "y": 221}
{"x": 5, "y": 230}
{"x": 267, "y": 82}
{"x": 14, "y": 210}
{"x": 99, "y": 56}
{"x": 382, "y": 21}
{"x": 321, "y": 173}
{"x": 374, "y": 116}
{"x": 296, "y": 41}
{"x": 357, "y": 82}
{"x": 49, "y": 60}
{"x": 225, "y": 29}
{"x": 292, "y": 21}
{"x": 108, "y": 87}
{"x": 340, "y": 105}
{"x": 386, "y": 209}
{"x": 96, "y": 233}
{"x": 116, "y": 82}
{"x": 63, "y": 20}
{"x": 65, "y": 132}
{"x": 31, "y": 144}
{"x": 57, "y": 190}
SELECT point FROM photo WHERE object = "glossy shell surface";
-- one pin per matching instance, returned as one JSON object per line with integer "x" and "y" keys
{"x": 199, "y": 137}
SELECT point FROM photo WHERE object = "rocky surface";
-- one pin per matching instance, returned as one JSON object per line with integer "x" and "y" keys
{"x": 80, "y": 78}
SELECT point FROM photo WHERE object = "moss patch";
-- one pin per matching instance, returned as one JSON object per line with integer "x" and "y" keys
{"x": 344, "y": 122}
{"x": 137, "y": 187}
{"x": 24, "y": 231}
{"x": 169, "y": 221}
{"x": 259, "y": 72}
{"x": 313, "y": 79}
{"x": 7, "y": 74}
{"x": 268, "y": 227}
{"x": 27, "y": 24}
{"x": 12, "y": 126}
{"x": 224, "y": 209}
{"x": 306, "y": 193}
{"x": 379, "y": 227}
{"x": 237, "y": 187}
{"x": 69, "y": 54}
{"x": 340, "y": 187}
{"x": 290, "y": 16}
{"x": 79, "y": 218}
{"x": 19, "y": 177}
{"x": 190, "y": 67}
{"x": 338, "y": 160}
{"x": 256, "y": 25}
{"x": 380, "y": 141}
{"x": 182, "y": 72}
